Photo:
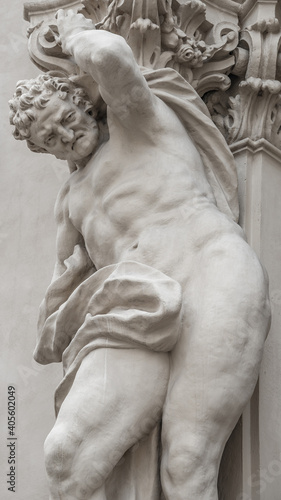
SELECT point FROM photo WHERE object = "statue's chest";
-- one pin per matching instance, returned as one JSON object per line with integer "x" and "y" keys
{"x": 106, "y": 191}
{"x": 120, "y": 192}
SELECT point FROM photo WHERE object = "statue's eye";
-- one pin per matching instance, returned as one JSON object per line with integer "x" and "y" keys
{"x": 50, "y": 140}
{"x": 68, "y": 118}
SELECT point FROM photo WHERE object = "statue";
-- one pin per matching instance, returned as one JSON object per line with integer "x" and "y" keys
{"x": 158, "y": 307}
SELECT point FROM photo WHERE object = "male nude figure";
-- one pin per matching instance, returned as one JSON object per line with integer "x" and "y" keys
{"x": 143, "y": 197}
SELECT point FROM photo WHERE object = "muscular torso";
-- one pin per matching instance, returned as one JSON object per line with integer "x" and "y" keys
{"x": 144, "y": 196}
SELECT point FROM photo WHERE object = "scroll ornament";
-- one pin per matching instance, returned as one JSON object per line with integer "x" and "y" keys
{"x": 161, "y": 33}
{"x": 258, "y": 64}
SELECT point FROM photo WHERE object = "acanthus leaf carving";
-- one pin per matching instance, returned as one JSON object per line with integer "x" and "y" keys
{"x": 258, "y": 94}
{"x": 173, "y": 33}
{"x": 260, "y": 98}
{"x": 270, "y": 25}
{"x": 179, "y": 34}
{"x": 236, "y": 116}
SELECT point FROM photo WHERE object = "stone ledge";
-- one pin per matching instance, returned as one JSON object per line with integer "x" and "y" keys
{"x": 256, "y": 147}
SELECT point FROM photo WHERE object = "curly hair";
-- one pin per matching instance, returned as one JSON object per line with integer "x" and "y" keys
{"x": 36, "y": 93}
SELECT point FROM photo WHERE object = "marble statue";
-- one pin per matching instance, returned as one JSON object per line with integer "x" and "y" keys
{"x": 158, "y": 307}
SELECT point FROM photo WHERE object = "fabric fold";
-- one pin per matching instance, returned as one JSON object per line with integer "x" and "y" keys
{"x": 126, "y": 305}
{"x": 220, "y": 167}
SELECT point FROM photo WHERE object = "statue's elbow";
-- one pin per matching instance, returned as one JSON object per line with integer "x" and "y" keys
{"x": 113, "y": 52}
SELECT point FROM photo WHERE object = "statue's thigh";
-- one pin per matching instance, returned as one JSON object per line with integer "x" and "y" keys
{"x": 116, "y": 398}
{"x": 214, "y": 366}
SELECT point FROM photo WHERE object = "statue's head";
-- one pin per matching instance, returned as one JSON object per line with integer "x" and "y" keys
{"x": 54, "y": 116}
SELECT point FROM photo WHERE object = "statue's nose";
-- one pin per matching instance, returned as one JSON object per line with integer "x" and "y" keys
{"x": 66, "y": 135}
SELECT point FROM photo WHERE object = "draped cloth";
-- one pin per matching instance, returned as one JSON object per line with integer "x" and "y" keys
{"x": 127, "y": 305}
{"x": 218, "y": 161}
{"x": 169, "y": 86}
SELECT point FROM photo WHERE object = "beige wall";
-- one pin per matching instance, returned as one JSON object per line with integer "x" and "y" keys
{"x": 28, "y": 188}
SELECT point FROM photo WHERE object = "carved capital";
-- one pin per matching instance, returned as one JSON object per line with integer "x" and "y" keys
{"x": 173, "y": 33}
{"x": 255, "y": 112}
{"x": 45, "y": 49}
{"x": 259, "y": 46}
{"x": 185, "y": 35}
{"x": 253, "y": 108}
{"x": 43, "y": 44}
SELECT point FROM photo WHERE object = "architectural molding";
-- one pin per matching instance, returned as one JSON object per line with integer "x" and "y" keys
{"x": 250, "y": 10}
{"x": 183, "y": 35}
{"x": 255, "y": 147}
{"x": 228, "y": 5}
{"x": 174, "y": 34}
{"x": 260, "y": 98}
{"x": 46, "y": 8}
{"x": 236, "y": 116}
{"x": 258, "y": 67}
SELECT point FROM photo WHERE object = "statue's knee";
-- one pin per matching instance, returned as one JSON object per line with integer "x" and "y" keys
{"x": 59, "y": 453}
{"x": 177, "y": 465}
{"x": 189, "y": 462}
{"x": 67, "y": 469}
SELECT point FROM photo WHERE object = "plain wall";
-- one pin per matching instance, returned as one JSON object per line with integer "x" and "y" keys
{"x": 29, "y": 185}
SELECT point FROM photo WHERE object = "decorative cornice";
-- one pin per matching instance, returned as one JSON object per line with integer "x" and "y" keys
{"x": 247, "y": 6}
{"x": 228, "y": 5}
{"x": 256, "y": 147}
{"x": 34, "y": 8}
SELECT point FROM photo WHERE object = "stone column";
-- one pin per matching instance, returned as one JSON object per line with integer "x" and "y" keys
{"x": 259, "y": 168}
{"x": 253, "y": 130}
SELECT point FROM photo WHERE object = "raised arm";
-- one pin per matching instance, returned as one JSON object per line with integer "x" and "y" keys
{"x": 110, "y": 62}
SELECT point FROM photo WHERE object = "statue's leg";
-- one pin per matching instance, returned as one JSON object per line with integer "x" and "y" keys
{"x": 214, "y": 369}
{"x": 116, "y": 399}
{"x": 98, "y": 495}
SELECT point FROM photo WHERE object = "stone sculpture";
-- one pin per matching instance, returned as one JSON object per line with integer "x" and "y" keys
{"x": 158, "y": 308}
